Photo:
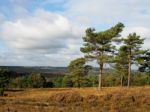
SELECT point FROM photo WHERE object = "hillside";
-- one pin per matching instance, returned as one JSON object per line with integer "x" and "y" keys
{"x": 35, "y": 69}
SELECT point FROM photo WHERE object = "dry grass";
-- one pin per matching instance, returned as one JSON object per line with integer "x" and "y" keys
{"x": 110, "y": 99}
{"x": 46, "y": 92}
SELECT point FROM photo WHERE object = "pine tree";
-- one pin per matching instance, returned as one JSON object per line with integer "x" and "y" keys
{"x": 78, "y": 69}
{"x": 121, "y": 63}
{"x": 133, "y": 44}
{"x": 98, "y": 46}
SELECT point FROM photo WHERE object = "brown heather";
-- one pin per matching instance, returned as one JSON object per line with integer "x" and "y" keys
{"x": 109, "y": 99}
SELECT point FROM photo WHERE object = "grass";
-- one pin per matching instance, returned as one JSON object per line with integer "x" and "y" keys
{"x": 110, "y": 99}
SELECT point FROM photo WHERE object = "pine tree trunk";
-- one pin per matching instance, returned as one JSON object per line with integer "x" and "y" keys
{"x": 121, "y": 80}
{"x": 100, "y": 81}
{"x": 129, "y": 74}
{"x": 129, "y": 70}
{"x": 79, "y": 82}
{"x": 100, "y": 77}
{"x": 93, "y": 83}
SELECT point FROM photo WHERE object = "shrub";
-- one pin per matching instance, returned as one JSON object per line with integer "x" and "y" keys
{"x": 49, "y": 84}
{"x": 67, "y": 81}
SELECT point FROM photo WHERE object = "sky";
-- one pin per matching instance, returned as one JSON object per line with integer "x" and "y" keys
{"x": 49, "y": 32}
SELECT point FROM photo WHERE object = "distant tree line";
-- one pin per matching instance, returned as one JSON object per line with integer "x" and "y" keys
{"x": 86, "y": 79}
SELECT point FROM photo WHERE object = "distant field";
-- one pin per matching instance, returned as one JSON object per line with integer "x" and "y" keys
{"x": 110, "y": 99}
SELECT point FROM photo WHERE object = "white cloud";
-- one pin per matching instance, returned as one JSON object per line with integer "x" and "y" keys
{"x": 44, "y": 38}
{"x": 132, "y": 12}
{"x": 142, "y": 31}
{"x": 43, "y": 30}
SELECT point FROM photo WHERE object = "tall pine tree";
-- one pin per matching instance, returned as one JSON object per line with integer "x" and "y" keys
{"x": 133, "y": 44}
{"x": 99, "y": 46}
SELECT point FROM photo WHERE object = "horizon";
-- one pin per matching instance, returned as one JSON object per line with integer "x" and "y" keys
{"x": 49, "y": 32}
{"x": 133, "y": 69}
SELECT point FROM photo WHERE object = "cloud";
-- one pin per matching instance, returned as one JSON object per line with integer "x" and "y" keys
{"x": 110, "y": 11}
{"x": 43, "y": 38}
{"x": 35, "y": 59}
{"x": 41, "y": 31}
{"x": 142, "y": 31}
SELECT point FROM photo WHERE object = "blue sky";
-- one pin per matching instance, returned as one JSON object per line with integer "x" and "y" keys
{"x": 49, "y": 32}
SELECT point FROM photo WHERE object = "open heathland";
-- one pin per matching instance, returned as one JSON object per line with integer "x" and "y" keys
{"x": 109, "y": 99}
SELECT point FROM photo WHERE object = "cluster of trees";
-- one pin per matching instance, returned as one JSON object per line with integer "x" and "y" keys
{"x": 28, "y": 81}
{"x": 111, "y": 78}
{"x": 88, "y": 78}
{"x": 101, "y": 46}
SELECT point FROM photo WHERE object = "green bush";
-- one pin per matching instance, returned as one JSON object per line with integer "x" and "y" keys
{"x": 67, "y": 81}
{"x": 141, "y": 79}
